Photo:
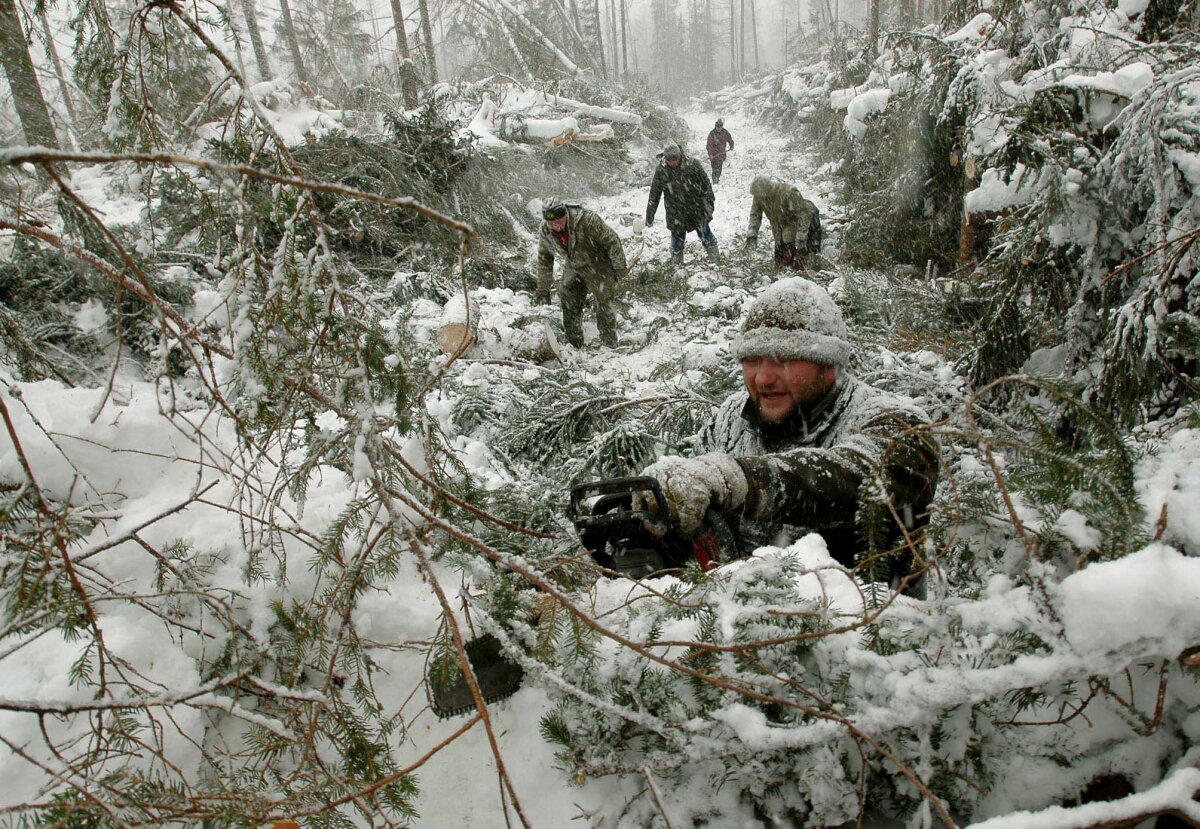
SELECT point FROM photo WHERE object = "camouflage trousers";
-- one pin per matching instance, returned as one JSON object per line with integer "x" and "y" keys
{"x": 602, "y": 284}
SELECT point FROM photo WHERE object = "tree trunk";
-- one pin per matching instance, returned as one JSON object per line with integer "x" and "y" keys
{"x": 742, "y": 41}
{"x": 18, "y": 66}
{"x": 624, "y": 40}
{"x": 754, "y": 32}
{"x": 289, "y": 34}
{"x": 431, "y": 70}
{"x": 732, "y": 44}
{"x": 599, "y": 45}
{"x": 60, "y": 73}
{"x": 614, "y": 53}
{"x": 408, "y": 81}
{"x": 709, "y": 46}
{"x": 873, "y": 27}
{"x": 260, "y": 51}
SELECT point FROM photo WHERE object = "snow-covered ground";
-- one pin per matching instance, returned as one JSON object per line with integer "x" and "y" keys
{"x": 459, "y": 787}
{"x": 155, "y": 468}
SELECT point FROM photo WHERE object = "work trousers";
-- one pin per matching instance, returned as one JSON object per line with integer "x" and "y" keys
{"x": 706, "y": 238}
{"x": 717, "y": 165}
{"x": 573, "y": 292}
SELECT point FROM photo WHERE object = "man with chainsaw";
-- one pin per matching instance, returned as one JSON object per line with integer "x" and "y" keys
{"x": 807, "y": 447}
{"x": 795, "y": 221}
{"x": 593, "y": 262}
{"x": 682, "y": 182}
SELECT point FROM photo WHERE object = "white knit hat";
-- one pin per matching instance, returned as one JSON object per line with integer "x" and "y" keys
{"x": 794, "y": 319}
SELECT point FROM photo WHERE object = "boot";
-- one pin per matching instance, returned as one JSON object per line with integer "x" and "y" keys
{"x": 714, "y": 255}
{"x": 676, "y": 260}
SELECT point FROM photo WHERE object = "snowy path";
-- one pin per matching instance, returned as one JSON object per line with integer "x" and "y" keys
{"x": 460, "y": 787}
{"x": 757, "y": 151}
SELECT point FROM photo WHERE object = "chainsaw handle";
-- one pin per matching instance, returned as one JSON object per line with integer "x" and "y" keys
{"x": 619, "y": 487}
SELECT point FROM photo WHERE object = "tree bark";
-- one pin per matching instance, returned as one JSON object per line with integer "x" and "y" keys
{"x": 624, "y": 40}
{"x": 18, "y": 66}
{"x": 431, "y": 70}
{"x": 260, "y": 51}
{"x": 408, "y": 81}
{"x": 732, "y": 44}
{"x": 873, "y": 27}
{"x": 742, "y": 41}
{"x": 60, "y": 73}
{"x": 614, "y": 54}
{"x": 289, "y": 34}
{"x": 754, "y": 32}
{"x": 709, "y": 46}
{"x": 599, "y": 45}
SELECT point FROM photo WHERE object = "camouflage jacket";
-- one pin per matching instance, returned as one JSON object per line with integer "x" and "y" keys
{"x": 818, "y": 473}
{"x": 591, "y": 246}
{"x": 789, "y": 213}
{"x": 688, "y": 194}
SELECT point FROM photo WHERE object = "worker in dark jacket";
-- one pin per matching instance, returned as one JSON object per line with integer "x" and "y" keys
{"x": 795, "y": 221}
{"x": 806, "y": 447}
{"x": 593, "y": 262}
{"x": 719, "y": 143}
{"x": 689, "y": 199}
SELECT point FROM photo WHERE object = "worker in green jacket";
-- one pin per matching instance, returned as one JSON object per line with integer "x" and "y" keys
{"x": 795, "y": 221}
{"x": 593, "y": 263}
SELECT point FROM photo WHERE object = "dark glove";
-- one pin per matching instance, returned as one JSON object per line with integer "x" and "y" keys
{"x": 783, "y": 256}
{"x": 692, "y": 485}
{"x": 795, "y": 259}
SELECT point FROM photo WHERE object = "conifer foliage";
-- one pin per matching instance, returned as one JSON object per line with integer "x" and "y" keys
{"x": 229, "y": 441}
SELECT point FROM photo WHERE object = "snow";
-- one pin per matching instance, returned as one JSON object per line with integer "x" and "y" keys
{"x": 1169, "y": 482}
{"x": 91, "y": 316}
{"x": 1152, "y": 595}
{"x": 994, "y": 193}
{"x": 976, "y": 28}
{"x": 1145, "y": 603}
{"x": 862, "y": 106}
{"x": 1174, "y": 792}
{"x": 1126, "y": 82}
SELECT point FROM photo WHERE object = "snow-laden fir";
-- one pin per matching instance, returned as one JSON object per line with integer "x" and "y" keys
{"x": 266, "y": 441}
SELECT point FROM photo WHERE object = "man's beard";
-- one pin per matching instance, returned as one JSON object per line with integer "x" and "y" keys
{"x": 792, "y": 424}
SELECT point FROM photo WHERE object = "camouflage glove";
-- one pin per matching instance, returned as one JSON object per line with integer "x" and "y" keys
{"x": 692, "y": 485}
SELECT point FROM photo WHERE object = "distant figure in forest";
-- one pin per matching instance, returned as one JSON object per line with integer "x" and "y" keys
{"x": 795, "y": 221}
{"x": 593, "y": 262}
{"x": 689, "y": 200}
{"x": 719, "y": 143}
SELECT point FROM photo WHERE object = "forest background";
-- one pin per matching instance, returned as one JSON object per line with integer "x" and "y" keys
{"x": 251, "y": 494}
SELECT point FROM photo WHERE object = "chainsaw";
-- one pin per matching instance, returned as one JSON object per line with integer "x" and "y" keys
{"x": 625, "y": 525}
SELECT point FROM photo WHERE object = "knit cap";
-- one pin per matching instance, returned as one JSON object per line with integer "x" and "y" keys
{"x": 794, "y": 319}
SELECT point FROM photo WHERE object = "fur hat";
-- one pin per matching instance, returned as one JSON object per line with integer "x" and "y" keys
{"x": 794, "y": 319}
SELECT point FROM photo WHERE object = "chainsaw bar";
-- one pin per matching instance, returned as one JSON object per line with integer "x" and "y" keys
{"x": 498, "y": 677}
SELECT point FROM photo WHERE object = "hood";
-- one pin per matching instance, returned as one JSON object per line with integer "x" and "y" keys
{"x": 763, "y": 186}
{"x": 671, "y": 145}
